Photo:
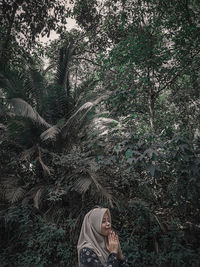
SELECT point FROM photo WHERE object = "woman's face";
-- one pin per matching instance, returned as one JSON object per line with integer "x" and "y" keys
{"x": 106, "y": 224}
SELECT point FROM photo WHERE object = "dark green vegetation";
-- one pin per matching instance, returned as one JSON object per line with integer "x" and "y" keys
{"x": 114, "y": 120}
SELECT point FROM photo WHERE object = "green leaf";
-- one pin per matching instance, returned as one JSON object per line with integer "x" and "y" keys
{"x": 151, "y": 169}
{"x": 129, "y": 153}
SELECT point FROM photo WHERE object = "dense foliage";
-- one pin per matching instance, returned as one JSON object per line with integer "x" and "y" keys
{"x": 113, "y": 120}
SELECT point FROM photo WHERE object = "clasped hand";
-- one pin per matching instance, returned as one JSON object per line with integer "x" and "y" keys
{"x": 113, "y": 243}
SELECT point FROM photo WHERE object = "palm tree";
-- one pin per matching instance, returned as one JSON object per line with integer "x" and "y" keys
{"x": 38, "y": 118}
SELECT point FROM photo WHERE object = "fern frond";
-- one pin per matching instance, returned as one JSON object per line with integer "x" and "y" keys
{"x": 22, "y": 108}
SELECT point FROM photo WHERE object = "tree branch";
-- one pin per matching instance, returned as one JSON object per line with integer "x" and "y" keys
{"x": 89, "y": 60}
{"x": 177, "y": 75}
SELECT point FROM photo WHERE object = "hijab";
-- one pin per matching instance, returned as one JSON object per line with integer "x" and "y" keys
{"x": 90, "y": 235}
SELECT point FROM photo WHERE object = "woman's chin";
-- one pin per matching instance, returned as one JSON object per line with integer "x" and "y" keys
{"x": 107, "y": 232}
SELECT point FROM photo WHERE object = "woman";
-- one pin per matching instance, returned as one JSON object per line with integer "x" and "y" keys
{"x": 98, "y": 245}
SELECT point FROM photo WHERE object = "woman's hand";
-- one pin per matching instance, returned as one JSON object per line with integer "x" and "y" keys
{"x": 120, "y": 255}
{"x": 113, "y": 243}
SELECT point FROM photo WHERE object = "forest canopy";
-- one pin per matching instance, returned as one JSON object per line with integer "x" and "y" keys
{"x": 111, "y": 118}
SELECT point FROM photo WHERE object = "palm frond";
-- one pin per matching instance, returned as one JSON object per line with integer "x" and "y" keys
{"x": 34, "y": 84}
{"x": 10, "y": 191}
{"x": 83, "y": 184}
{"x": 76, "y": 119}
{"x": 65, "y": 55}
{"x": 103, "y": 191}
{"x": 37, "y": 197}
{"x": 45, "y": 168}
{"x": 3, "y": 127}
{"x": 51, "y": 66}
{"x": 22, "y": 108}
{"x": 50, "y": 133}
{"x": 11, "y": 84}
{"x": 3, "y": 110}
{"x": 2, "y": 192}
{"x": 26, "y": 154}
{"x": 51, "y": 215}
{"x": 16, "y": 195}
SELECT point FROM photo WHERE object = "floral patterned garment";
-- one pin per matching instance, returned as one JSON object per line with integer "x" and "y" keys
{"x": 88, "y": 258}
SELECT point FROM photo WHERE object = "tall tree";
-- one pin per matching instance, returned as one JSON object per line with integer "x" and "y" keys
{"x": 24, "y": 21}
{"x": 147, "y": 48}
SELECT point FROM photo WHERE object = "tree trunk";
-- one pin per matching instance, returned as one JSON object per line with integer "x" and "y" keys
{"x": 4, "y": 55}
{"x": 152, "y": 97}
{"x": 151, "y": 111}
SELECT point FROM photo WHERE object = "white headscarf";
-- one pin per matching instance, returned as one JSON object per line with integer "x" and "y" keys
{"x": 90, "y": 235}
